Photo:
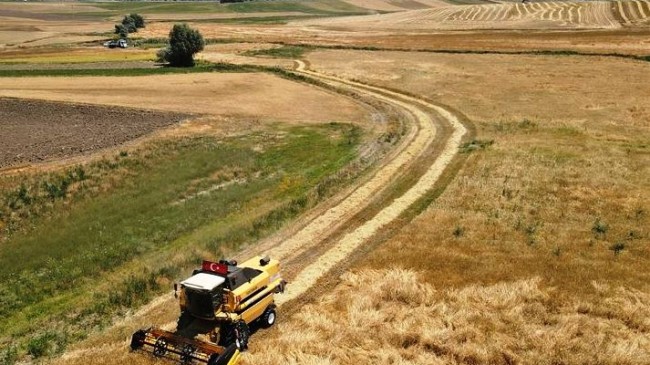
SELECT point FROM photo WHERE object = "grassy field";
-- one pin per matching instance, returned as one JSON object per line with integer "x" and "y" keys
{"x": 101, "y": 238}
{"x": 128, "y": 72}
{"x": 287, "y": 51}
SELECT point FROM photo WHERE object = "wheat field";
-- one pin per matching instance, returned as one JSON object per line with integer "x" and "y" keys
{"x": 532, "y": 15}
{"x": 393, "y": 317}
{"x": 536, "y": 253}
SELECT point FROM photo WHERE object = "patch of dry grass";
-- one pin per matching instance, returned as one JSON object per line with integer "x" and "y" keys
{"x": 235, "y": 94}
{"x": 394, "y": 317}
{"x": 81, "y": 56}
{"x": 570, "y": 150}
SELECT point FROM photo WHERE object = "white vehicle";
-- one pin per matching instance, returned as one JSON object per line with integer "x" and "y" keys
{"x": 120, "y": 43}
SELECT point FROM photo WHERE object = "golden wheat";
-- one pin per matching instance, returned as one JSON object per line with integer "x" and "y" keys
{"x": 393, "y": 317}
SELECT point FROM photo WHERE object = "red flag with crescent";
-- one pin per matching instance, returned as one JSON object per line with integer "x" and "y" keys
{"x": 215, "y": 267}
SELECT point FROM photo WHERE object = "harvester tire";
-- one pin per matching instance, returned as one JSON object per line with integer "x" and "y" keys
{"x": 268, "y": 317}
{"x": 237, "y": 333}
{"x": 137, "y": 340}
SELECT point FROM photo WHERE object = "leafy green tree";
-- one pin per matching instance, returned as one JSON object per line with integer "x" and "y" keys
{"x": 184, "y": 43}
{"x": 137, "y": 19}
{"x": 121, "y": 30}
{"x": 129, "y": 23}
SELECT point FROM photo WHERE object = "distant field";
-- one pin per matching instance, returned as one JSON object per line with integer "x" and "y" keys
{"x": 31, "y": 25}
{"x": 533, "y": 15}
{"x": 308, "y": 7}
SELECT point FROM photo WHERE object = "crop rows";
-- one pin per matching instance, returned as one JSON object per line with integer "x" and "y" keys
{"x": 572, "y": 14}
{"x": 632, "y": 12}
{"x": 532, "y": 15}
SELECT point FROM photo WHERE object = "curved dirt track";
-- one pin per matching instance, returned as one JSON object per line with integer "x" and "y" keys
{"x": 425, "y": 134}
{"x": 317, "y": 243}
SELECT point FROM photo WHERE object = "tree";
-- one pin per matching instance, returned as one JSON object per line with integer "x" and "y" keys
{"x": 137, "y": 19}
{"x": 129, "y": 23}
{"x": 121, "y": 30}
{"x": 184, "y": 43}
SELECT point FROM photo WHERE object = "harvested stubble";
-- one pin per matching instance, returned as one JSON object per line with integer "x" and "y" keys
{"x": 393, "y": 317}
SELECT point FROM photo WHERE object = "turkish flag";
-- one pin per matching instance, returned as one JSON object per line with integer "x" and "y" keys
{"x": 217, "y": 268}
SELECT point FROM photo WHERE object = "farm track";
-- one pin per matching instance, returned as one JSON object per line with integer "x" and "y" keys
{"x": 321, "y": 241}
{"x": 428, "y": 120}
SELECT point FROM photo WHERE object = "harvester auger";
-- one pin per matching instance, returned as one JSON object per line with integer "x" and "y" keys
{"x": 218, "y": 304}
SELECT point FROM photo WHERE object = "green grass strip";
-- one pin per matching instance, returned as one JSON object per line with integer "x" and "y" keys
{"x": 645, "y": 58}
{"x": 217, "y": 67}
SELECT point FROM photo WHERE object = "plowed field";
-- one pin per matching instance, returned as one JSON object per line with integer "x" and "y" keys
{"x": 35, "y": 130}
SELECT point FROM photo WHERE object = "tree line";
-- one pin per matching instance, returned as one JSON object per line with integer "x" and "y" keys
{"x": 130, "y": 24}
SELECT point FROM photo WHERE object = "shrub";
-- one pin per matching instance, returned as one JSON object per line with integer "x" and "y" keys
{"x": 54, "y": 190}
{"x": 599, "y": 228}
{"x": 48, "y": 343}
{"x": 618, "y": 247}
{"x": 122, "y": 30}
{"x": 475, "y": 145}
{"x": 129, "y": 23}
{"x": 23, "y": 195}
{"x": 138, "y": 20}
{"x": 184, "y": 43}
{"x": 557, "y": 251}
{"x": 527, "y": 124}
{"x": 80, "y": 173}
{"x": 9, "y": 355}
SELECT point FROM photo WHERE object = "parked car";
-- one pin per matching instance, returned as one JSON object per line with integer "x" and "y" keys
{"x": 121, "y": 43}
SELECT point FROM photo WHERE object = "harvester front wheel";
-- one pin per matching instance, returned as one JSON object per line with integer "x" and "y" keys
{"x": 137, "y": 340}
{"x": 268, "y": 317}
{"x": 237, "y": 333}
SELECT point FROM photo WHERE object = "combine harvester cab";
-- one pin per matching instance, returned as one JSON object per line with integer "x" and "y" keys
{"x": 218, "y": 303}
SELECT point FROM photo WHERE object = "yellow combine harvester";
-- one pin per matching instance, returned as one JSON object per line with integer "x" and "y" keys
{"x": 218, "y": 303}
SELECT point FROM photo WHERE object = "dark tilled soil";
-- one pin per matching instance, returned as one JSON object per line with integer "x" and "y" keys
{"x": 34, "y": 130}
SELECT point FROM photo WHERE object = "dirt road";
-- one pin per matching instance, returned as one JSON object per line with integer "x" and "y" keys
{"x": 424, "y": 133}
{"x": 313, "y": 246}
